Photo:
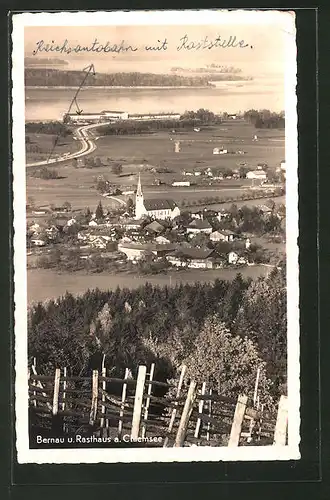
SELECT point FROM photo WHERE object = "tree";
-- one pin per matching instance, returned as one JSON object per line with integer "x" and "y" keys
{"x": 117, "y": 168}
{"x": 67, "y": 206}
{"x": 243, "y": 171}
{"x": 129, "y": 205}
{"x": 99, "y": 214}
{"x": 269, "y": 330}
{"x": 97, "y": 162}
{"x": 199, "y": 240}
{"x": 270, "y": 204}
{"x": 31, "y": 201}
{"x": 226, "y": 362}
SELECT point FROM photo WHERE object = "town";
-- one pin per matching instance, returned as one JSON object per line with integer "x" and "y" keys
{"x": 154, "y": 235}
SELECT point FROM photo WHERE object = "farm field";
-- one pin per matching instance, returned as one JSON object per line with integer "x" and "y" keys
{"x": 48, "y": 284}
{"x": 141, "y": 153}
{"x": 45, "y": 145}
{"x": 248, "y": 203}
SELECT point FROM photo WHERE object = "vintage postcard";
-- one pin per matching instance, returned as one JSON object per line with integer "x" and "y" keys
{"x": 155, "y": 236}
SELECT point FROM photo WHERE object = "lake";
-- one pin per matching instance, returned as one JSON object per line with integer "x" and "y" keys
{"x": 48, "y": 284}
{"x": 52, "y": 103}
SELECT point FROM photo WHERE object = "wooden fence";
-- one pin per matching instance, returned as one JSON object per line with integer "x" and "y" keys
{"x": 112, "y": 407}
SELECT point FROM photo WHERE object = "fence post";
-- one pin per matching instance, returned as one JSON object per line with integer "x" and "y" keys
{"x": 138, "y": 399}
{"x": 93, "y": 411}
{"x": 174, "y": 410}
{"x": 104, "y": 374}
{"x": 255, "y": 394}
{"x": 187, "y": 409}
{"x": 210, "y": 414}
{"x": 64, "y": 395}
{"x": 56, "y": 390}
{"x": 200, "y": 410}
{"x": 146, "y": 408}
{"x": 281, "y": 422}
{"x": 39, "y": 384}
{"x": 34, "y": 369}
{"x": 238, "y": 421}
{"x": 64, "y": 388}
{"x": 122, "y": 407}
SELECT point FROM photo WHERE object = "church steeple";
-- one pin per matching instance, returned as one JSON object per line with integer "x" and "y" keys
{"x": 139, "y": 188}
{"x": 139, "y": 201}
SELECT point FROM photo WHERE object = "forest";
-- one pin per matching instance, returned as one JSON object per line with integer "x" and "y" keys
{"x": 265, "y": 119}
{"x": 44, "y": 61}
{"x": 222, "y": 330}
{"x": 51, "y": 127}
{"x": 54, "y": 77}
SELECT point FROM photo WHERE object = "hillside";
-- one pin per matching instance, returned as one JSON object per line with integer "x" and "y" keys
{"x": 55, "y": 77}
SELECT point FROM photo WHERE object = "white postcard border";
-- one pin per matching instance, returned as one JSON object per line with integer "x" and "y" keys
{"x": 221, "y": 17}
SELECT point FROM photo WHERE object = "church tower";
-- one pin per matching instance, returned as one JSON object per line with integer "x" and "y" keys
{"x": 139, "y": 201}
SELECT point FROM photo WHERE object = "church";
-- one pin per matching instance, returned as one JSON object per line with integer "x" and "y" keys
{"x": 155, "y": 208}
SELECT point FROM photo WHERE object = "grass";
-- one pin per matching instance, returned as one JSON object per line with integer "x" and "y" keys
{"x": 45, "y": 143}
{"x": 139, "y": 153}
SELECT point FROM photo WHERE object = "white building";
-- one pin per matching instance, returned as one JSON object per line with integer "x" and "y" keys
{"x": 257, "y": 174}
{"x": 222, "y": 235}
{"x": 156, "y": 208}
{"x": 199, "y": 226}
{"x": 114, "y": 115}
{"x": 154, "y": 116}
{"x": 180, "y": 183}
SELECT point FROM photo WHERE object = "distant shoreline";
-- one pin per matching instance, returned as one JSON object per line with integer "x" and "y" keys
{"x": 156, "y": 87}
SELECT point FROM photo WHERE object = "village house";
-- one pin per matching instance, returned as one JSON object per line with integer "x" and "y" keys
{"x": 132, "y": 224}
{"x": 257, "y": 174}
{"x": 138, "y": 251}
{"x": 154, "y": 228}
{"x": 193, "y": 258}
{"x": 99, "y": 241}
{"x": 70, "y": 222}
{"x": 35, "y": 228}
{"x": 180, "y": 183}
{"x": 222, "y": 235}
{"x": 52, "y": 232}
{"x": 199, "y": 226}
{"x": 241, "y": 245}
{"x": 161, "y": 240}
{"x": 264, "y": 209}
{"x": 134, "y": 235}
{"x": 222, "y": 214}
{"x": 237, "y": 258}
{"x": 38, "y": 241}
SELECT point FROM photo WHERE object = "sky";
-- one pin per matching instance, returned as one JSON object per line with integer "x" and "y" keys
{"x": 266, "y": 55}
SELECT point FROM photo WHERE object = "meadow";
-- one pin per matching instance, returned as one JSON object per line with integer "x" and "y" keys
{"x": 45, "y": 145}
{"x": 142, "y": 153}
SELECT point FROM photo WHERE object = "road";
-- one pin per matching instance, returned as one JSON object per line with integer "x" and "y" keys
{"x": 87, "y": 146}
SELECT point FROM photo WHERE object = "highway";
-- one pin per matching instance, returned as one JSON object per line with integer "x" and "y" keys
{"x": 87, "y": 146}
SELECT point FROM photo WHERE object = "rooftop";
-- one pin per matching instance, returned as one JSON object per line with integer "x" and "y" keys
{"x": 112, "y": 111}
{"x": 200, "y": 224}
{"x": 159, "y": 204}
{"x": 194, "y": 253}
{"x": 154, "y": 226}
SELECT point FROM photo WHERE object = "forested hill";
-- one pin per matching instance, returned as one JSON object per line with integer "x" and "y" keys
{"x": 57, "y": 78}
{"x": 35, "y": 61}
{"x": 220, "y": 330}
